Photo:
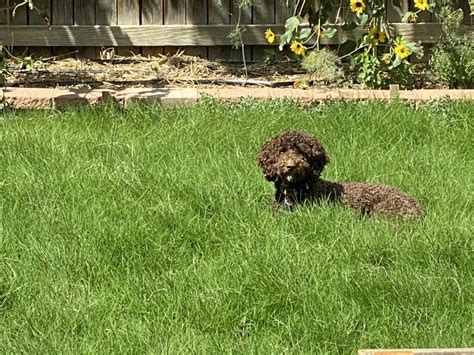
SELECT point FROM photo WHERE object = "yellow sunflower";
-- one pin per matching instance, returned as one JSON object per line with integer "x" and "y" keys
{"x": 270, "y": 36}
{"x": 298, "y": 48}
{"x": 421, "y": 4}
{"x": 358, "y": 6}
{"x": 376, "y": 36}
{"x": 401, "y": 51}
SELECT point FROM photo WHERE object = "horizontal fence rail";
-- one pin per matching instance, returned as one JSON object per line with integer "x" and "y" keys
{"x": 180, "y": 35}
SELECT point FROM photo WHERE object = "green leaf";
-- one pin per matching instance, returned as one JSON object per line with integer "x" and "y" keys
{"x": 304, "y": 33}
{"x": 329, "y": 33}
{"x": 396, "y": 62}
{"x": 292, "y": 24}
{"x": 352, "y": 62}
{"x": 285, "y": 39}
{"x": 363, "y": 19}
{"x": 407, "y": 16}
{"x": 412, "y": 47}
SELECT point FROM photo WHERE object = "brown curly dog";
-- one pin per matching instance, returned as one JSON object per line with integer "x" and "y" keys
{"x": 295, "y": 160}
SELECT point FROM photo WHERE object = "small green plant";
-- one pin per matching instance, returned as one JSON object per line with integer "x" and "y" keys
{"x": 27, "y": 60}
{"x": 452, "y": 61}
{"x": 236, "y": 34}
{"x": 321, "y": 64}
{"x": 370, "y": 70}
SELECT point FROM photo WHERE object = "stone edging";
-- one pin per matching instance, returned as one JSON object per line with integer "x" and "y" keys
{"x": 56, "y": 98}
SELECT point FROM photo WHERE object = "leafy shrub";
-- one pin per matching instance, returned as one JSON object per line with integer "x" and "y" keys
{"x": 452, "y": 61}
{"x": 452, "y": 57}
{"x": 322, "y": 64}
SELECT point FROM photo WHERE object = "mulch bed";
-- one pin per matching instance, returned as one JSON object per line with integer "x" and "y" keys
{"x": 172, "y": 71}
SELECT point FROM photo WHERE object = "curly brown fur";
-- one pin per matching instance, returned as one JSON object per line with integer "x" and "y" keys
{"x": 295, "y": 160}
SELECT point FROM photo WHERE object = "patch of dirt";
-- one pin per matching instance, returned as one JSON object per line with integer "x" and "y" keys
{"x": 167, "y": 71}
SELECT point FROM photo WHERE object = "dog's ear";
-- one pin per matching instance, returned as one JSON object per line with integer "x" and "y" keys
{"x": 267, "y": 165}
{"x": 314, "y": 152}
{"x": 318, "y": 160}
{"x": 267, "y": 158}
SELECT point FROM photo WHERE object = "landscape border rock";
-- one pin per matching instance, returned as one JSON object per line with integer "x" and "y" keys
{"x": 45, "y": 98}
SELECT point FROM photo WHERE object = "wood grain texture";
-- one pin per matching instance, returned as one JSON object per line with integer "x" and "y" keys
{"x": 219, "y": 13}
{"x": 196, "y": 14}
{"x": 152, "y": 14}
{"x": 84, "y": 14}
{"x": 174, "y": 13}
{"x": 20, "y": 17}
{"x": 199, "y": 35}
{"x": 106, "y": 12}
{"x": 128, "y": 13}
{"x": 3, "y": 12}
{"x": 34, "y": 18}
{"x": 62, "y": 13}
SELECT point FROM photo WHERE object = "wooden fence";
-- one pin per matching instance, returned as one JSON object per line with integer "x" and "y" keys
{"x": 150, "y": 27}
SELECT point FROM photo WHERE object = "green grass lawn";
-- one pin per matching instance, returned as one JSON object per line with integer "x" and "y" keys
{"x": 148, "y": 230}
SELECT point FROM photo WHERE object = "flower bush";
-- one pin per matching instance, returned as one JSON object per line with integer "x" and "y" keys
{"x": 380, "y": 56}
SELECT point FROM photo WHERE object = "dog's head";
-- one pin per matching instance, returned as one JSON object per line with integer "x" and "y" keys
{"x": 292, "y": 167}
{"x": 292, "y": 157}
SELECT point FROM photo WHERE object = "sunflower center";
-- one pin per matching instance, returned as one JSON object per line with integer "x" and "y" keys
{"x": 358, "y": 4}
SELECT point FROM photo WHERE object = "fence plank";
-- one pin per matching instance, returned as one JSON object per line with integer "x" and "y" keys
{"x": 196, "y": 14}
{"x": 84, "y": 14}
{"x": 128, "y": 13}
{"x": 62, "y": 13}
{"x": 35, "y": 18}
{"x": 263, "y": 13}
{"x": 3, "y": 13}
{"x": 209, "y": 35}
{"x": 174, "y": 14}
{"x": 20, "y": 18}
{"x": 105, "y": 12}
{"x": 219, "y": 13}
{"x": 152, "y": 14}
